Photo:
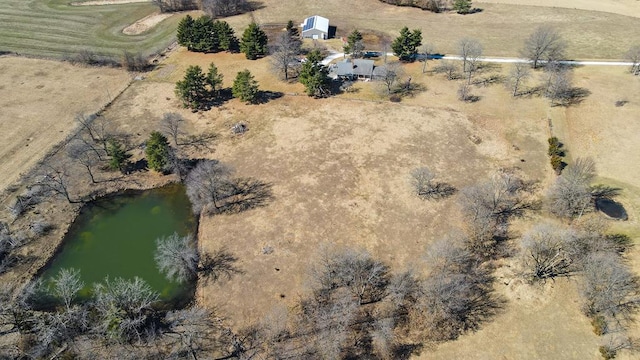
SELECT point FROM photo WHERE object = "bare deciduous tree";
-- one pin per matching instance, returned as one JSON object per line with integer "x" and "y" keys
{"x": 176, "y": 5}
{"x": 177, "y": 257}
{"x": 470, "y": 51}
{"x": 284, "y": 55}
{"x": 99, "y": 128}
{"x": 66, "y": 285}
{"x": 390, "y": 74}
{"x": 53, "y": 329}
{"x": 122, "y": 308}
{"x": 207, "y": 184}
{"x": 545, "y": 43}
{"x": 427, "y": 51}
{"x": 559, "y": 83}
{"x": 452, "y": 303}
{"x": 488, "y": 206}
{"x": 570, "y": 195}
{"x": 633, "y": 55}
{"x": 382, "y": 338}
{"x": 448, "y": 68}
{"x": 223, "y": 8}
{"x": 330, "y": 321}
{"x": 85, "y": 155}
{"x": 609, "y": 288}
{"x": 546, "y": 252}
{"x": 464, "y": 93}
{"x": 518, "y": 75}
{"x": 424, "y": 185}
{"x": 195, "y": 331}
{"x": 171, "y": 125}
{"x": 365, "y": 277}
{"x": 54, "y": 179}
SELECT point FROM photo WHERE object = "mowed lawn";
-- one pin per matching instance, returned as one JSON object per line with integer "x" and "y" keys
{"x": 54, "y": 28}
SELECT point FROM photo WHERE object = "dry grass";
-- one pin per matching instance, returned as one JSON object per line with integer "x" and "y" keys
{"x": 339, "y": 173}
{"x": 622, "y": 7}
{"x": 39, "y": 100}
{"x": 501, "y": 28}
{"x": 339, "y": 166}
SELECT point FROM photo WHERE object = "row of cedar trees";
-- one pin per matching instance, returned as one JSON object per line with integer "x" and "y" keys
{"x": 206, "y": 35}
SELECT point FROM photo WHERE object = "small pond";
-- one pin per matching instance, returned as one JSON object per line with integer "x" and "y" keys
{"x": 116, "y": 237}
{"x": 611, "y": 208}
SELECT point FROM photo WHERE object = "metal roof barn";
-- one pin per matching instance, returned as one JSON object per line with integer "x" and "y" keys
{"x": 315, "y": 27}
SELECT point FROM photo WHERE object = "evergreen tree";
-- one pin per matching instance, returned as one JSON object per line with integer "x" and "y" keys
{"x": 462, "y": 6}
{"x": 185, "y": 32}
{"x": 406, "y": 45}
{"x": 202, "y": 39}
{"x": 254, "y": 42}
{"x": 292, "y": 30}
{"x": 157, "y": 151}
{"x": 192, "y": 89}
{"x": 314, "y": 75}
{"x": 245, "y": 87}
{"x": 354, "y": 46}
{"x": 225, "y": 36}
{"x": 214, "y": 79}
{"x": 119, "y": 156}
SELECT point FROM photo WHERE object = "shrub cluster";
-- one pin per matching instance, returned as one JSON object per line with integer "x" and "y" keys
{"x": 556, "y": 154}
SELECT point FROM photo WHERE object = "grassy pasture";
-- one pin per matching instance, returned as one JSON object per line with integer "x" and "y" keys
{"x": 53, "y": 28}
{"x": 501, "y": 28}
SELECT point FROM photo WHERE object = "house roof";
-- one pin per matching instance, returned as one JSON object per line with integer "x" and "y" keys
{"x": 363, "y": 67}
{"x": 316, "y": 22}
{"x": 359, "y": 67}
{"x": 344, "y": 68}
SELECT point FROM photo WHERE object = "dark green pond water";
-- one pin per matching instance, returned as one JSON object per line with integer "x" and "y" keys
{"x": 116, "y": 237}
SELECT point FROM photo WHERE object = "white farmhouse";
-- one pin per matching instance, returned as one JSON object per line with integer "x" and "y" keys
{"x": 315, "y": 27}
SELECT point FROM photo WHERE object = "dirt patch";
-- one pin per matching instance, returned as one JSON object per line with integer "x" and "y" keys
{"x": 106, "y": 2}
{"x": 40, "y": 100}
{"x": 145, "y": 24}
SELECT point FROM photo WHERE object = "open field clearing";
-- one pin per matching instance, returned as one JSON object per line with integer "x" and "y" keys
{"x": 338, "y": 170}
{"x": 622, "y": 7}
{"x": 39, "y": 100}
{"x": 339, "y": 167}
{"x": 57, "y": 29}
{"x": 501, "y": 28}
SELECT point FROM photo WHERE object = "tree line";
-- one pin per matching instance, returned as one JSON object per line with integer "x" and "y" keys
{"x": 206, "y": 35}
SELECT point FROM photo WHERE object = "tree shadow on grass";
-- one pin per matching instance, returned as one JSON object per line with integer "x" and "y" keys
{"x": 576, "y": 95}
{"x": 245, "y": 194}
{"x": 221, "y": 264}
{"x": 266, "y": 96}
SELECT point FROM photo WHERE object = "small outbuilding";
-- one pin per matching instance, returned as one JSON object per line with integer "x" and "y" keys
{"x": 315, "y": 27}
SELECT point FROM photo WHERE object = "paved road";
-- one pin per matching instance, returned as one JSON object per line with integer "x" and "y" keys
{"x": 337, "y": 55}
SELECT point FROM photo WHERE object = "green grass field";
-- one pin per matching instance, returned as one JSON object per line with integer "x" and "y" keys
{"x": 53, "y": 28}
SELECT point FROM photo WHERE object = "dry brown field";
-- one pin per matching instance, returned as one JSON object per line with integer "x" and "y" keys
{"x": 622, "y": 7}
{"x": 39, "y": 100}
{"x": 339, "y": 167}
{"x": 339, "y": 170}
{"x": 501, "y": 28}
